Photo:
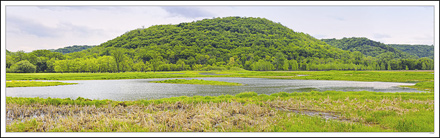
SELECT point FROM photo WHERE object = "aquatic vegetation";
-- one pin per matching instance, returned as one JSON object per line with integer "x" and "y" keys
{"x": 244, "y": 112}
{"x": 424, "y": 86}
{"x": 34, "y": 83}
{"x": 384, "y": 76}
{"x": 196, "y": 81}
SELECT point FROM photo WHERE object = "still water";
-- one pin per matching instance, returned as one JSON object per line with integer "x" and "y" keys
{"x": 134, "y": 89}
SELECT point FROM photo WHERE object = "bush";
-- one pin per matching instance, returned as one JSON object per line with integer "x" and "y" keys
{"x": 23, "y": 66}
{"x": 246, "y": 94}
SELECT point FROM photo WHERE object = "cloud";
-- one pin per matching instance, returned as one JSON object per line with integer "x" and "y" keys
{"x": 319, "y": 36}
{"x": 30, "y": 27}
{"x": 19, "y": 25}
{"x": 189, "y": 12}
{"x": 338, "y": 18}
{"x": 381, "y": 36}
{"x": 70, "y": 8}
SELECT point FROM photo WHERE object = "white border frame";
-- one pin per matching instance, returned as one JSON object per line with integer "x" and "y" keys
{"x": 225, "y": 3}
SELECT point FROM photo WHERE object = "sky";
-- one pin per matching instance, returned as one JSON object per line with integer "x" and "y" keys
{"x": 30, "y": 28}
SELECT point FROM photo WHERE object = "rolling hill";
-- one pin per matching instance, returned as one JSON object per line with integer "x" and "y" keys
{"x": 416, "y": 50}
{"x": 224, "y": 43}
{"x": 365, "y": 46}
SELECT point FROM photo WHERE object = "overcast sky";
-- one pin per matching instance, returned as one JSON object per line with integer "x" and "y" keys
{"x": 49, "y": 27}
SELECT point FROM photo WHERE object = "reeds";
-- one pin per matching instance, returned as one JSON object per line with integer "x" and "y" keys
{"x": 250, "y": 112}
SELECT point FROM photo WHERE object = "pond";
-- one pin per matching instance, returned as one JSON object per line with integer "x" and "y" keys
{"x": 134, "y": 89}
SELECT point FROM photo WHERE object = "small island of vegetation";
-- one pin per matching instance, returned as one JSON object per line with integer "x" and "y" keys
{"x": 35, "y": 83}
{"x": 196, "y": 81}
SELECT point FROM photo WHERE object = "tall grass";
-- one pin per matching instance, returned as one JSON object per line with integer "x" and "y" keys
{"x": 244, "y": 112}
{"x": 386, "y": 76}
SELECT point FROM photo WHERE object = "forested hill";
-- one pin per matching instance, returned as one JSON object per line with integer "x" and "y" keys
{"x": 249, "y": 43}
{"x": 219, "y": 43}
{"x": 365, "y": 46}
{"x": 71, "y": 49}
{"x": 222, "y": 38}
{"x": 417, "y": 50}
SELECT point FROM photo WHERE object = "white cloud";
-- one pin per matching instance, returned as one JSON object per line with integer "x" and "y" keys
{"x": 36, "y": 27}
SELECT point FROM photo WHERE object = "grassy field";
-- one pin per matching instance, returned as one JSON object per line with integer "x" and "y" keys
{"x": 34, "y": 83}
{"x": 329, "y": 111}
{"x": 385, "y": 76}
{"x": 199, "y": 82}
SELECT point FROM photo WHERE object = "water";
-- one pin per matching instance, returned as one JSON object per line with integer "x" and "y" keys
{"x": 134, "y": 89}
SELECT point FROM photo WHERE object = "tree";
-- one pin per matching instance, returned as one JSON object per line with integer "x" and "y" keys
{"x": 118, "y": 55}
{"x": 24, "y": 67}
{"x": 231, "y": 62}
{"x": 139, "y": 66}
{"x": 181, "y": 64}
{"x": 293, "y": 65}
{"x": 9, "y": 61}
{"x": 156, "y": 62}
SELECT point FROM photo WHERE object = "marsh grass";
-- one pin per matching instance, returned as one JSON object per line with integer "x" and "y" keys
{"x": 244, "y": 112}
{"x": 34, "y": 83}
{"x": 197, "y": 81}
{"x": 424, "y": 86}
{"x": 385, "y": 76}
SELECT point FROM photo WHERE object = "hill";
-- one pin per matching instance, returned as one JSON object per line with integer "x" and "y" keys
{"x": 234, "y": 41}
{"x": 218, "y": 44}
{"x": 71, "y": 49}
{"x": 365, "y": 46}
{"x": 416, "y": 50}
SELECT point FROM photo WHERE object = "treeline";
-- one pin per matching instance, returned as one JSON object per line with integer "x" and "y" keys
{"x": 416, "y": 50}
{"x": 216, "y": 44}
{"x": 35, "y": 61}
{"x": 365, "y": 46}
{"x": 120, "y": 60}
{"x": 71, "y": 49}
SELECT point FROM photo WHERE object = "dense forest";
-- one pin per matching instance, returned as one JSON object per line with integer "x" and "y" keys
{"x": 213, "y": 44}
{"x": 365, "y": 46}
{"x": 71, "y": 49}
{"x": 416, "y": 50}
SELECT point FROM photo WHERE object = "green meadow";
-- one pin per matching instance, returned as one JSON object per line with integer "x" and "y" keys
{"x": 335, "y": 111}
{"x": 329, "y": 111}
{"x": 385, "y": 76}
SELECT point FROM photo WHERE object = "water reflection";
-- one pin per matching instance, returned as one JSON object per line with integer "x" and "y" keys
{"x": 134, "y": 89}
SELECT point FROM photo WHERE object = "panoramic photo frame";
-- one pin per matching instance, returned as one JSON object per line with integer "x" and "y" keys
{"x": 20, "y": 26}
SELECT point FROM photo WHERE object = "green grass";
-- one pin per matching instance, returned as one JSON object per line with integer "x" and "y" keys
{"x": 244, "y": 112}
{"x": 385, "y": 76}
{"x": 34, "y": 83}
{"x": 424, "y": 86}
{"x": 196, "y": 81}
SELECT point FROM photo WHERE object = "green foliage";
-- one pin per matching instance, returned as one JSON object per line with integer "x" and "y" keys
{"x": 384, "y": 57}
{"x": 23, "y": 67}
{"x": 214, "y": 44}
{"x": 246, "y": 94}
{"x": 71, "y": 49}
{"x": 416, "y": 50}
{"x": 364, "y": 45}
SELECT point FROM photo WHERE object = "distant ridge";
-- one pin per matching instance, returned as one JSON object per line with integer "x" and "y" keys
{"x": 71, "y": 49}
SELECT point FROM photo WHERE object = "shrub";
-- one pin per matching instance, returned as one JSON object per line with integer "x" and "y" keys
{"x": 23, "y": 66}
